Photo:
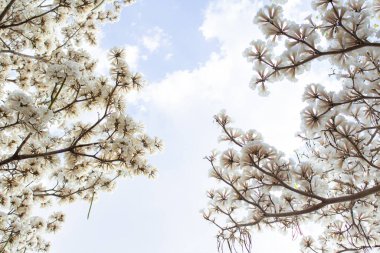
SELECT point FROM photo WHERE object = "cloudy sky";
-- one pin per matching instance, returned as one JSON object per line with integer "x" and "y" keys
{"x": 190, "y": 53}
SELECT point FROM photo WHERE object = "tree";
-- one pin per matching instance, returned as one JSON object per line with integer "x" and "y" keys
{"x": 64, "y": 132}
{"x": 334, "y": 179}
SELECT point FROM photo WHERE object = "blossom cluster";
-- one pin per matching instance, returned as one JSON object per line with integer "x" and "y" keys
{"x": 64, "y": 131}
{"x": 333, "y": 180}
{"x": 349, "y": 28}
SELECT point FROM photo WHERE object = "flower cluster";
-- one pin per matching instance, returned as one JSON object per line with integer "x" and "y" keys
{"x": 334, "y": 179}
{"x": 64, "y": 131}
{"x": 348, "y": 26}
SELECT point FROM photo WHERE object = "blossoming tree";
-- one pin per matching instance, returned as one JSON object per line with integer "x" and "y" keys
{"x": 334, "y": 180}
{"x": 64, "y": 133}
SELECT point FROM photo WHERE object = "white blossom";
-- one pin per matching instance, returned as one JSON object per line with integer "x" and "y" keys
{"x": 333, "y": 179}
{"x": 49, "y": 153}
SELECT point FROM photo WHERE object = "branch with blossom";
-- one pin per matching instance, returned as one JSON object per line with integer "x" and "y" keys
{"x": 333, "y": 181}
{"x": 64, "y": 131}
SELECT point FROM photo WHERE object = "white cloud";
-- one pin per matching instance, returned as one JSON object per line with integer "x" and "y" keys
{"x": 222, "y": 81}
{"x": 182, "y": 104}
{"x": 100, "y": 54}
{"x": 133, "y": 56}
{"x": 168, "y": 56}
{"x": 155, "y": 38}
{"x": 230, "y": 22}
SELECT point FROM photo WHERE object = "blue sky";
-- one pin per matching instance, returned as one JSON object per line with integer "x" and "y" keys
{"x": 190, "y": 52}
{"x": 179, "y": 21}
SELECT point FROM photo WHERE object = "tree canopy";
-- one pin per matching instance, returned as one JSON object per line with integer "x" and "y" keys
{"x": 64, "y": 131}
{"x": 334, "y": 179}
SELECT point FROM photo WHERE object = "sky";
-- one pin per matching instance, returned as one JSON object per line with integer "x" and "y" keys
{"x": 190, "y": 53}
